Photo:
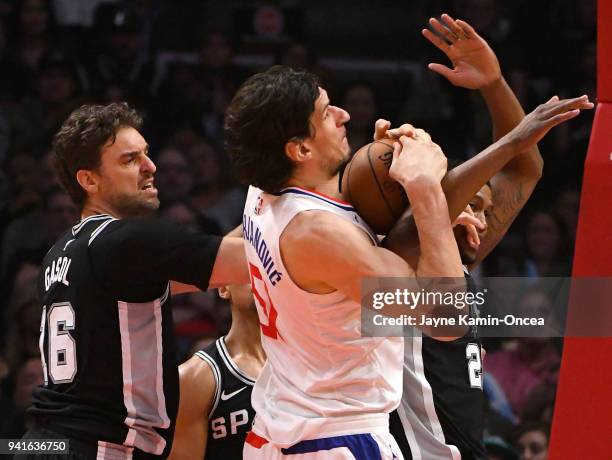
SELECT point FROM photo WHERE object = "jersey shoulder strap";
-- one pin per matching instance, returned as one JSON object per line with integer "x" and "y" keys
{"x": 210, "y": 356}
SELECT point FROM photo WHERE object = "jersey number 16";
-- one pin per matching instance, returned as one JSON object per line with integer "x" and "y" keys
{"x": 62, "y": 346}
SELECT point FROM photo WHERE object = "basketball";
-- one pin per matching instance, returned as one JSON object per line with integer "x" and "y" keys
{"x": 366, "y": 184}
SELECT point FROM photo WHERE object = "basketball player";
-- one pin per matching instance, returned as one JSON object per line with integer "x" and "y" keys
{"x": 325, "y": 391}
{"x": 107, "y": 342}
{"x": 442, "y": 411}
{"x": 215, "y": 410}
{"x": 441, "y": 414}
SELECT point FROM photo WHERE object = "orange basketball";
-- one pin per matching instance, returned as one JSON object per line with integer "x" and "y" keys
{"x": 366, "y": 184}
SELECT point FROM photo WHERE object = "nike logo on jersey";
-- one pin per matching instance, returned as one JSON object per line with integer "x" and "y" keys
{"x": 225, "y": 397}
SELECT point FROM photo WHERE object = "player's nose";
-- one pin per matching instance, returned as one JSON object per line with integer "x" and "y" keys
{"x": 485, "y": 226}
{"x": 148, "y": 165}
{"x": 342, "y": 116}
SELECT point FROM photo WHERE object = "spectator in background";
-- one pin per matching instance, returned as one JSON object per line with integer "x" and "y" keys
{"x": 528, "y": 362}
{"x": 24, "y": 179}
{"x": 58, "y": 91}
{"x": 175, "y": 176}
{"x": 360, "y": 101}
{"x": 532, "y": 441}
{"x": 24, "y": 327}
{"x": 26, "y": 376}
{"x": 18, "y": 336}
{"x": 183, "y": 99}
{"x": 13, "y": 76}
{"x": 186, "y": 215}
{"x": 220, "y": 77}
{"x": 547, "y": 246}
{"x": 33, "y": 26}
{"x": 37, "y": 230}
{"x": 186, "y": 136}
{"x": 123, "y": 61}
{"x": 499, "y": 449}
{"x": 215, "y": 193}
{"x": 566, "y": 206}
{"x": 298, "y": 56}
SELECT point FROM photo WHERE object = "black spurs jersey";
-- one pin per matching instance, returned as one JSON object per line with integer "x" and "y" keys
{"x": 231, "y": 415}
{"x": 107, "y": 339}
{"x": 441, "y": 416}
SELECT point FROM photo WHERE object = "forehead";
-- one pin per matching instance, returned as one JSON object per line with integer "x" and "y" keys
{"x": 485, "y": 194}
{"x": 127, "y": 139}
{"x": 322, "y": 100}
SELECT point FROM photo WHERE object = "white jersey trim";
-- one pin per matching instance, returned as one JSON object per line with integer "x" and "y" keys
{"x": 430, "y": 409}
{"x": 230, "y": 363}
{"x": 98, "y": 230}
{"x": 111, "y": 451}
{"x": 326, "y": 199}
{"x": 216, "y": 374}
{"x": 77, "y": 228}
{"x": 142, "y": 436}
{"x": 415, "y": 450}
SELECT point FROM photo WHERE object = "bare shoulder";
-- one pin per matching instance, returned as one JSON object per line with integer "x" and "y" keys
{"x": 197, "y": 383}
{"x": 321, "y": 230}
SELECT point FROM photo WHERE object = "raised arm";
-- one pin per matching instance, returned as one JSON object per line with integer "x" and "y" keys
{"x": 475, "y": 66}
{"x": 513, "y": 163}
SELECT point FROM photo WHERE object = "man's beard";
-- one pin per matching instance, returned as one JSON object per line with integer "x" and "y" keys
{"x": 134, "y": 206}
{"x": 333, "y": 168}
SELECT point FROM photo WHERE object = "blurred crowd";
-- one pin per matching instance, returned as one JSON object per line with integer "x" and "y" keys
{"x": 179, "y": 63}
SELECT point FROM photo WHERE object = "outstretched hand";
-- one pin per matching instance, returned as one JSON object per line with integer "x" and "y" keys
{"x": 537, "y": 123}
{"x": 474, "y": 62}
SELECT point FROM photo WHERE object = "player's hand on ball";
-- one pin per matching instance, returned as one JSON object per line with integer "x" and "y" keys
{"x": 382, "y": 130}
{"x": 536, "y": 124}
{"x": 417, "y": 160}
{"x": 474, "y": 62}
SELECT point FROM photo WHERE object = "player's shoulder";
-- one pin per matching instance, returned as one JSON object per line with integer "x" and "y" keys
{"x": 199, "y": 370}
{"x": 199, "y": 379}
{"x": 198, "y": 387}
{"x": 124, "y": 233}
{"x": 318, "y": 227}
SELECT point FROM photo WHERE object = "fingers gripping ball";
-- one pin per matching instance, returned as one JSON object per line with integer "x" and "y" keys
{"x": 366, "y": 184}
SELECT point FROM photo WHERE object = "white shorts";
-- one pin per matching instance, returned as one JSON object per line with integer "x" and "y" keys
{"x": 366, "y": 446}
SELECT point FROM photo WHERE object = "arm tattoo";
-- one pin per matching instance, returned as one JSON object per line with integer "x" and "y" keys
{"x": 506, "y": 203}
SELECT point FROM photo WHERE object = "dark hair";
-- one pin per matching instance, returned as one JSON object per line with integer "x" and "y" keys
{"x": 78, "y": 144}
{"x": 269, "y": 109}
{"x": 528, "y": 426}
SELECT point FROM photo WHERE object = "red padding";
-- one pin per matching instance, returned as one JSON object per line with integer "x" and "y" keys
{"x": 582, "y": 425}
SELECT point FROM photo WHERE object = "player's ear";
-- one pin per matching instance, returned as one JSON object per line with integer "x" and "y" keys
{"x": 297, "y": 151}
{"x": 88, "y": 180}
{"x": 225, "y": 293}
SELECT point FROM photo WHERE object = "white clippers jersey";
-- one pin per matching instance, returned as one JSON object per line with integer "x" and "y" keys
{"x": 321, "y": 377}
